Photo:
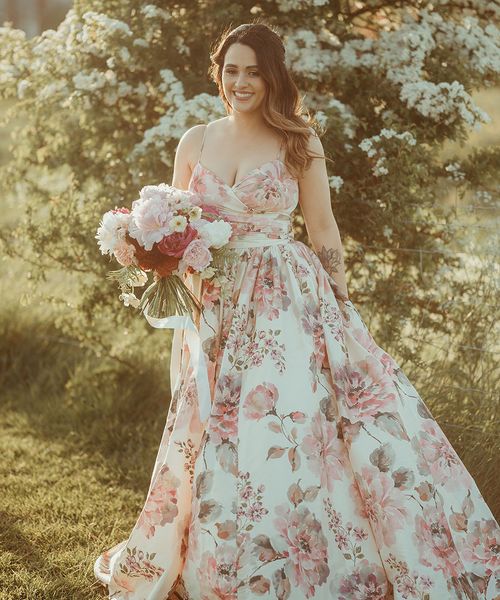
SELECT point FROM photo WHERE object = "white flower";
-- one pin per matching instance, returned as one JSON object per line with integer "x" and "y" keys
{"x": 151, "y": 11}
{"x": 379, "y": 168}
{"x": 195, "y": 213}
{"x": 178, "y": 223}
{"x": 456, "y": 173}
{"x": 484, "y": 196}
{"x": 387, "y": 232}
{"x": 90, "y": 81}
{"x": 112, "y": 229}
{"x": 129, "y": 300}
{"x": 336, "y": 182}
{"x": 216, "y": 233}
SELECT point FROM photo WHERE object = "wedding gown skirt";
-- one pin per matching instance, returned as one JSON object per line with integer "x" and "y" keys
{"x": 320, "y": 472}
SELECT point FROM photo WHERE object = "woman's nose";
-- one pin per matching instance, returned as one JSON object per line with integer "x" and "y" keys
{"x": 241, "y": 79}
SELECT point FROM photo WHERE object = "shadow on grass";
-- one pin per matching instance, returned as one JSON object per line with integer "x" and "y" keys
{"x": 90, "y": 405}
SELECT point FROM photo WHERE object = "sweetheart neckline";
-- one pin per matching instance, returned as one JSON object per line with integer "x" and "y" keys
{"x": 251, "y": 172}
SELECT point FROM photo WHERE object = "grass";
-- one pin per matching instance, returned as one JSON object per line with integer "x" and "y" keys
{"x": 77, "y": 459}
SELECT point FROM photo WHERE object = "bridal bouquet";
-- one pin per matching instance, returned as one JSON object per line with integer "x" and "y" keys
{"x": 168, "y": 233}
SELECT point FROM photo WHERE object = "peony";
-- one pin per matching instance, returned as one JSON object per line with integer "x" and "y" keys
{"x": 112, "y": 229}
{"x": 124, "y": 253}
{"x": 197, "y": 255}
{"x": 150, "y": 219}
{"x": 176, "y": 243}
{"x": 216, "y": 233}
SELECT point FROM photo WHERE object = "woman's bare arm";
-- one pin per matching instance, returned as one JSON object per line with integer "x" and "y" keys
{"x": 320, "y": 222}
{"x": 185, "y": 153}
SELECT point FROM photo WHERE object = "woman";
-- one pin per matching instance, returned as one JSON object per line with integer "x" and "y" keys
{"x": 320, "y": 472}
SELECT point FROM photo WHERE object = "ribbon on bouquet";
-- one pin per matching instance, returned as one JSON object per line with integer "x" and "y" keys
{"x": 196, "y": 355}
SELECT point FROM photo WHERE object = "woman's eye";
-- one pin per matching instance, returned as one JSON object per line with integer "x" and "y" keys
{"x": 231, "y": 71}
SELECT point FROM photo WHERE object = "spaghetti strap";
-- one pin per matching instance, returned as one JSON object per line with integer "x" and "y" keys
{"x": 202, "y": 142}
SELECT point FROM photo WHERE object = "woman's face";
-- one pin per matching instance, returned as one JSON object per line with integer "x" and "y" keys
{"x": 240, "y": 73}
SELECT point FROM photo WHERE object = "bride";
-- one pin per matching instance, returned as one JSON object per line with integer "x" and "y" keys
{"x": 320, "y": 472}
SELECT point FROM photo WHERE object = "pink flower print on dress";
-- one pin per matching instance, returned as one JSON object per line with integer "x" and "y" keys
{"x": 435, "y": 545}
{"x": 218, "y": 573}
{"x": 366, "y": 582}
{"x": 268, "y": 197}
{"x": 307, "y": 548}
{"x": 270, "y": 293}
{"x": 481, "y": 546}
{"x": 326, "y": 454}
{"x": 198, "y": 182}
{"x": 438, "y": 458}
{"x": 370, "y": 391}
{"x": 161, "y": 505}
{"x": 260, "y": 401}
{"x": 382, "y": 503}
{"x": 223, "y": 422}
{"x": 211, "y": 294}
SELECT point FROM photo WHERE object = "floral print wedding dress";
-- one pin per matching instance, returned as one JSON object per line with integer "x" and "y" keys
{"x": 320, "y": 473}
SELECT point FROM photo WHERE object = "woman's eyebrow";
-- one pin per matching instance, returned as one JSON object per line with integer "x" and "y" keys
{"x": 249, "y": 67}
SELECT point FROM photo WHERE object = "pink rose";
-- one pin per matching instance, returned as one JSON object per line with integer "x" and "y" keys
{"x": 197, "y": 255}
{"x": 175, "y": 243}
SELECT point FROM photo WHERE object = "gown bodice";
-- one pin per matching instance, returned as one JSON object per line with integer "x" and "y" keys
{"x": 259, "y": 206}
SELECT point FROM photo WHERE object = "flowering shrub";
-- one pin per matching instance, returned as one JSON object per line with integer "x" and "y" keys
{"x": 101, "y": 102}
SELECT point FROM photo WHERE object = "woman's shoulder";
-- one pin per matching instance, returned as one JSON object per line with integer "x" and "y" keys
{"x": 198, "y": 130}
{"x": 191, "y": 141}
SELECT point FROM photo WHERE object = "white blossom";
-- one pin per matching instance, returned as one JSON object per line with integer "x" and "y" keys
{"x": 336, "y": 182}
{"x": 178, "y": 223}
{"x": 129, "y": 299}
{"x": 380, "y": 168}
{"x": 304, "y": 53}
{"x": 455, "y": 173}
{"x": 151, "y": 11}
{"x": 288, "y": 5}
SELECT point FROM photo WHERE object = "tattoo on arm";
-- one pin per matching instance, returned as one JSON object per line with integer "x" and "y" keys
{"x": 330, "y": 259}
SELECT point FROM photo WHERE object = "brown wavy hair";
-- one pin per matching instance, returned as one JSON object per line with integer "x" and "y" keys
{"x": 283, "y": 109}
